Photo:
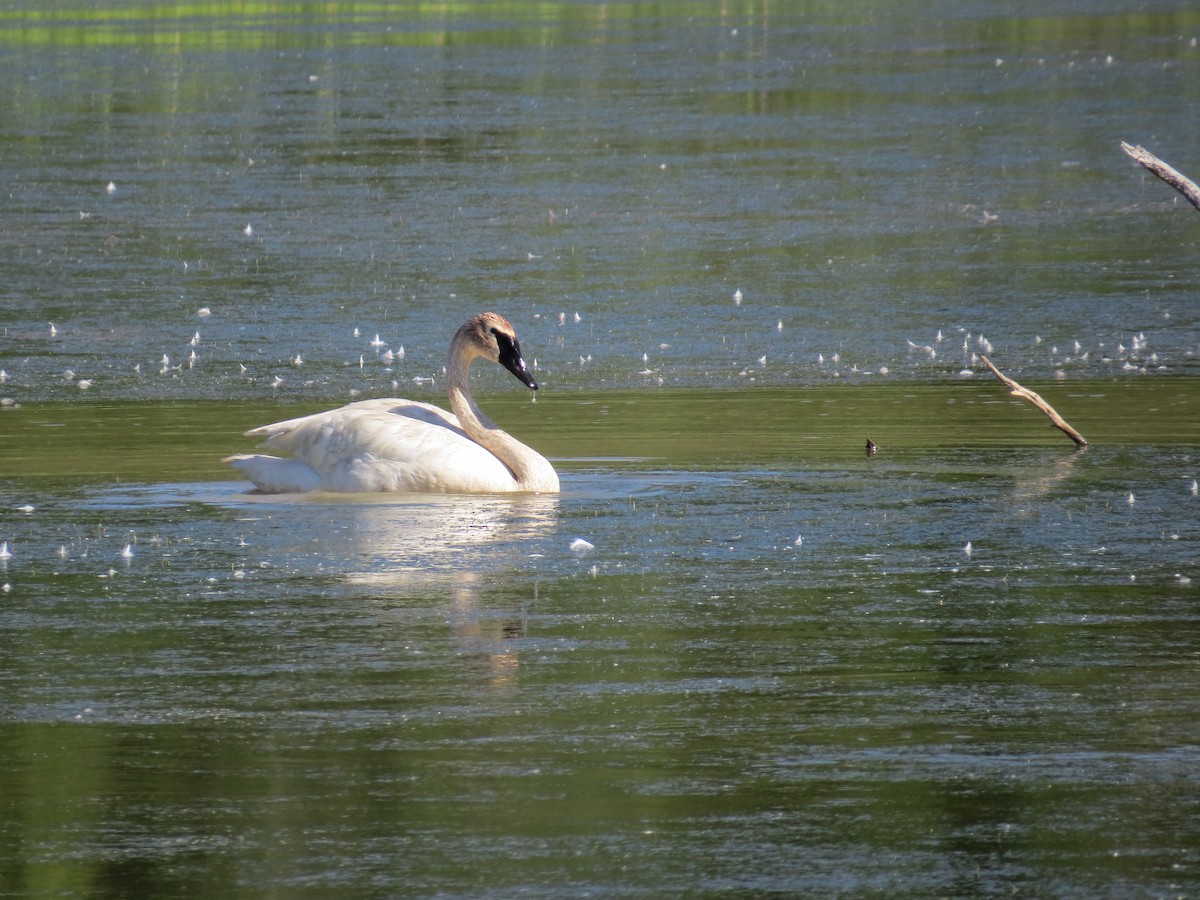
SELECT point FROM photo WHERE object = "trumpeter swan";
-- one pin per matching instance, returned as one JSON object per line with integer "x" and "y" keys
{"x": 405, "y": 445}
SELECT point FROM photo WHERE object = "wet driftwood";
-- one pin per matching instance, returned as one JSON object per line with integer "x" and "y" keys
{"x": 1181, "y": 183}
{"x": 1025, "y": 394}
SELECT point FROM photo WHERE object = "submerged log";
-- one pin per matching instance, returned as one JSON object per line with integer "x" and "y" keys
{"x": 1025, "y": 394}
{"x": 1175, "y": 179}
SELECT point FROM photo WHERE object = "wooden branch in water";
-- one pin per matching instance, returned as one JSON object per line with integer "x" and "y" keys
{"x": 1025, "y": 394}
{"x": 1181, "y": 183}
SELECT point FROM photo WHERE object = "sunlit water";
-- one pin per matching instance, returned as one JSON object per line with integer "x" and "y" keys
{"x": 736, "y": 655}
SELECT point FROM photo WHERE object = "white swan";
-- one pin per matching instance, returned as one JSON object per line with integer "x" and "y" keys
{"x": 404, "y": 445}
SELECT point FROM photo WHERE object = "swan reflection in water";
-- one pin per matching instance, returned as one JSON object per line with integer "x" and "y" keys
{"x": 411, "y": 552}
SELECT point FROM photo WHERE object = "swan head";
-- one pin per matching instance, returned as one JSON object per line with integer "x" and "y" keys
{"x": 492, "y": 336}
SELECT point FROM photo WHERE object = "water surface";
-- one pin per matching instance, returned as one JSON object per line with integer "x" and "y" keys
{"x": 736, "y": 241}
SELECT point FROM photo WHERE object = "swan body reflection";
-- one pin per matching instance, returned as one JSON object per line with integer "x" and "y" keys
{"x": 389, "y": 445}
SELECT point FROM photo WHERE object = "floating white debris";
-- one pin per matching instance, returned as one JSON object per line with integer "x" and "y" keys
{"x": 579, "y": 545}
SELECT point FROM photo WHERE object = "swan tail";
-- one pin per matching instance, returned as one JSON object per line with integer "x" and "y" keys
{"x": 273, "y": 475}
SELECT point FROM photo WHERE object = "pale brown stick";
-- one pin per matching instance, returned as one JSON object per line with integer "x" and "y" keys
{"x": 1181, "y": 183}
{"x": 1025, "y": 394}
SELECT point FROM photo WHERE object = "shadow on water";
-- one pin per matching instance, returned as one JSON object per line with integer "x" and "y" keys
{"x": 661, "y": 429}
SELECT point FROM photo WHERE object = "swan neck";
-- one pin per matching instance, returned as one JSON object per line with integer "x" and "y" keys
{"x": 528, "y": 467}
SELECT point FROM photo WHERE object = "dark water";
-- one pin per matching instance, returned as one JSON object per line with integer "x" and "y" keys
{"x": 964, "y": 666}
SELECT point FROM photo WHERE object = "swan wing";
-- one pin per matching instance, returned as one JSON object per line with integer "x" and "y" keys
{"x": 273, "y": 475}
{"x": 379, "y": 445}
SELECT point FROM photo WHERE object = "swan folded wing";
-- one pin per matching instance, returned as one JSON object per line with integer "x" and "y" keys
{"x": 388, "y": 445}
{"x": 466, "y": 469}
{"x": 273, "y": 475}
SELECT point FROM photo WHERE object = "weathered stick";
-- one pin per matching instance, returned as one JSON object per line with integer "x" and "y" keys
{"x": 1184, "y": 185}
{"x": 1025, "y": 394}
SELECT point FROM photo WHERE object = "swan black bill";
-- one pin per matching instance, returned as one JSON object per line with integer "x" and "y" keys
{"x": 510, "y": 358}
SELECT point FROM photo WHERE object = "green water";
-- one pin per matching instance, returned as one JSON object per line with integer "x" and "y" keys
{"x": 422, "y": 695}
{"x": 656, "y": 429}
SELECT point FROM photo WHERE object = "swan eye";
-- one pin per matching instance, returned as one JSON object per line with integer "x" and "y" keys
{"x": 504, "y": 340}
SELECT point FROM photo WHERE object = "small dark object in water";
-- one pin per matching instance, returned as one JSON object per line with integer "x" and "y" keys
{"x": 872, "y": 447}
